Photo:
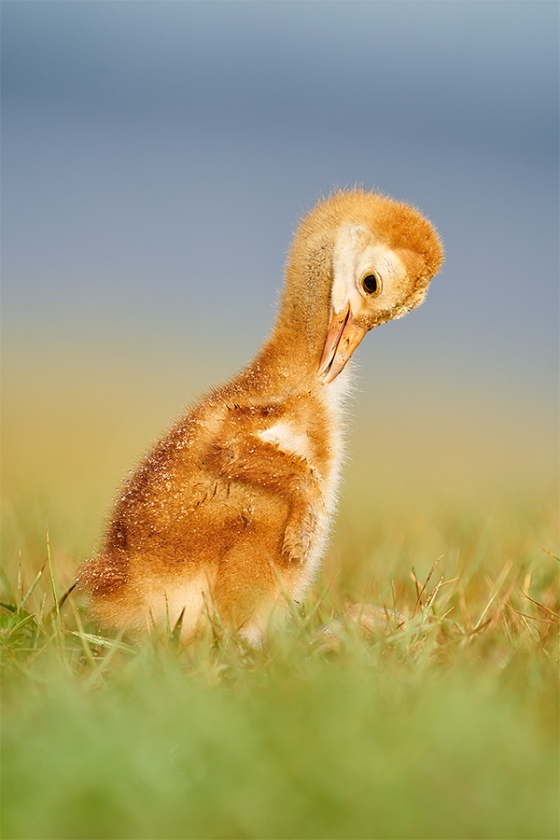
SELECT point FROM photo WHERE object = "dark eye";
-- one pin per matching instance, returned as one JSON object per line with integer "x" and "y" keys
{"x": 371, "y": 284}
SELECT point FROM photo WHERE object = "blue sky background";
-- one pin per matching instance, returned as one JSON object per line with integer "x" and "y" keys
{"x": 157, "y": 155}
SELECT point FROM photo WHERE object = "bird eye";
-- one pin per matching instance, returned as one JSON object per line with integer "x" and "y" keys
{"x": 371, "y": 284}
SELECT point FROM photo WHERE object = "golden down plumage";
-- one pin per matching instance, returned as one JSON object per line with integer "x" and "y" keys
{"x": 230, "y": 510}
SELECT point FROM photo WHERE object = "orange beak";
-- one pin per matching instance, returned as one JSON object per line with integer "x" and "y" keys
{"x": 343, "y": 337}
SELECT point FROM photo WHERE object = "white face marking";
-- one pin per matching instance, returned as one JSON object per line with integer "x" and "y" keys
{"x": 288, "y": 438}
{"x": 355, "y": 255}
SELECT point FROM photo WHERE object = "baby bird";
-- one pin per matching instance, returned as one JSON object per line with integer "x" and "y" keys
{"x": 227, "y": 517}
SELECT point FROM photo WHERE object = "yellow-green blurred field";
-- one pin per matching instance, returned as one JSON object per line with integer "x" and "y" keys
{"x": 440, "y": 720}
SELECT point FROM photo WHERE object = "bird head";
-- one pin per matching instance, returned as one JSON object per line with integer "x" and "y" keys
{"x": 384, "y": 254}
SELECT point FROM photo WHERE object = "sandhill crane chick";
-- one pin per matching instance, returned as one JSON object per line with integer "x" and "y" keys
{"x": 230, "y": 511}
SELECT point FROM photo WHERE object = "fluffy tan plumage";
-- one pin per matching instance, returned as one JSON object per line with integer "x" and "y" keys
{"x": 231, "y": 509}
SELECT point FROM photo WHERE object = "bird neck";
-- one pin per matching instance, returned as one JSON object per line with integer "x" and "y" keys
{"x": 298, "y": 337}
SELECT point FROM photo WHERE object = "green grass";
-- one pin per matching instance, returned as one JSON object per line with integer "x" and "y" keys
{"x": 441, "y": 725}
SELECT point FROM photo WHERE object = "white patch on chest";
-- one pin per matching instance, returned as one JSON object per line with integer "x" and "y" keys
{"x": 288, "y": 438}
{"x": 335, "y": 398}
